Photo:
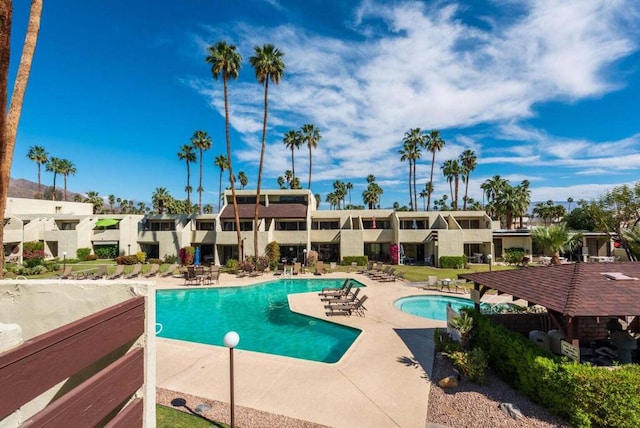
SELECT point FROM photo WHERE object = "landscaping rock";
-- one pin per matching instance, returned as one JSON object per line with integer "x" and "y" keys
{"x": 449, "y": 382}
{"x": 510, "y": 410}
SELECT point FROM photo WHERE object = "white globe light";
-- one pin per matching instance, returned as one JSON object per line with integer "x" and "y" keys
{"x": 64, "y": 253}
{"x": 231, "y": 339}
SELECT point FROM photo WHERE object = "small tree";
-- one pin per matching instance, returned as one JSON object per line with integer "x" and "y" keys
{"x": 556, "y": 239}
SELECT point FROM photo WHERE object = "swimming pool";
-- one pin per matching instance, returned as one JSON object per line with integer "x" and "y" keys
{"x": 261, "y": 316}
{"x": 432, "y": 307}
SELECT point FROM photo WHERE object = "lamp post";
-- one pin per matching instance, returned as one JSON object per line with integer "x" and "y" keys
{"x": 489, "y": 257}
{"x": 231, "y": 340}
{"x": 64, "y": 260}
{"x": 304, "y": 257}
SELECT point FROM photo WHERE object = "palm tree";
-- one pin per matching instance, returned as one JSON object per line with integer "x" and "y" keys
{"x": 468, "y": 161}
{"x": 413, "y": 140}
{"x": 207, "y": 208}
{"x": 242, "y": 178}
{"x": 268, "y": 65}
{"x": 160, "y": 199}
{"x": 423, "y": 194}
{"x": 112, "y": 201}
{"x": 349, "y": 187}
{"x": 292, "y": 140}
{"x": 9, "y": 121}
{"x": 371, "y": 195}
{"x": 66, "y": 168}
{"x": 556, "y": 239}
{"x": 201, "y": 141}
{"x": 225, "y": 62}
{"x": 569, "y": 201}
{"x": 95, "y": 199}
{"x": 282, "y": 183}
{"x": 40, "y": 156}
{"x": 311, "y": 136}
{"x": 54, "y": 165}
{"x": 434, "y": 143}
{"x": 491, "y": 188}
{"x": 340, "y": 192}
{"x": 221, "y": 162}
{"x": 524, "y": 200}
{"x": 187, "y": 154}
{"x": 448, "y": 170}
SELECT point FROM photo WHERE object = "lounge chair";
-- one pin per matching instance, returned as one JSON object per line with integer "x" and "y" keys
{"x": 153, "y": 271}
{"x": 117, "y": 273}
{"x": 356, "y": 307}
{"x": 367, "y": 269}
{"x": 296, "y": 268}
{"x": 66, "y": 273}
{"x": 100, "y": 273}
{"x": 337, "y": 300}
{"x": 339, "y": 294}
{"x": 319, "y": 268}
{"x": 342, "y": 291}
{"x": 391, "y": 277}
{"x": 135, "y": 272}
{"x": 280, "y": 269}
{"x": 170, "y": 270}
{"x": 332, "y": 289}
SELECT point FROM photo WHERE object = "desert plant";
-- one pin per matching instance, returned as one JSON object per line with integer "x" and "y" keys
{"x": 272, "y": 252}
{"x": 473, "y": 364}
{"x": 464, "y": 324}
{"x": 141, "y": 256}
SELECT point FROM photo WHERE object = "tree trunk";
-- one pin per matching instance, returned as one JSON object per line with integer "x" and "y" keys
{"x": 310, "y": 164}
{"x": 200, "y": 187}
{"x": 264, "y": 139}
{"x": 234, "y": 200}
{"x": 6, "y": 155}
{"x": 433, "y": 161}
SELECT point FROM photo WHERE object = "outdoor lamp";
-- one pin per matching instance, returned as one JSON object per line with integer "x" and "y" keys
{"x": 64, "y": 260}
{"x": 304, "y": 257}
{"x": 231, "y": 340}
{"x": 489, "y": 257}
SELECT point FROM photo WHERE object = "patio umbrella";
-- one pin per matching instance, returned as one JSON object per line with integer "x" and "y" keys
{"x": 196, "y": 257}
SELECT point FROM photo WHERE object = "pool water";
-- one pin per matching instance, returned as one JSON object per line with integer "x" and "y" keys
{"x": 432, "y": 307}
{"x": 259, "y": 314}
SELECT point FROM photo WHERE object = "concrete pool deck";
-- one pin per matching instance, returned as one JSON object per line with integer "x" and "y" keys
{"x": 383, "y": 379}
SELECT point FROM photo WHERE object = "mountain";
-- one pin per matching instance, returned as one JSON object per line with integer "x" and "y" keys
{"x": 21, "y": 188}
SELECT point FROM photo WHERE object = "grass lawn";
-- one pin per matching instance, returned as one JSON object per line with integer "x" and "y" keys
{"x": 167, "y": 417}
{"x": 421, "y": 273}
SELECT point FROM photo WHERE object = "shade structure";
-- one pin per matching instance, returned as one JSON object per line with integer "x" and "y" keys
{"x": 196, "y": 257}
{"x": 106, "y": 222}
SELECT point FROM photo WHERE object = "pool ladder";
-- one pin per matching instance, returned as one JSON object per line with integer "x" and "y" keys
{"x": 159, "y": 328}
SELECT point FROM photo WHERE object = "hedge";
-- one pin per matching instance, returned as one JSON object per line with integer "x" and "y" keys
{"x": 586, "y": 395}
{"x": 453, "y": 262}
{"x": 360, "y": 260}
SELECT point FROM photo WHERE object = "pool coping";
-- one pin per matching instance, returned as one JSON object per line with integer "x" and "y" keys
{"x": 382, "y": 380}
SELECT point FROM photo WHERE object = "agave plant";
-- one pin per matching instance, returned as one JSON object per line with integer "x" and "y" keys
{"x": 463, "y": 323}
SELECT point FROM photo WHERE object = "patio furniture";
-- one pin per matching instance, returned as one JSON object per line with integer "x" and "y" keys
{"x": 328, "y": 295}
{"x": 334, "y": 289}
{"x": 135, "y": 272}
{"x": 98, "y": 274}
{"x": 335, "y": 300}
{"x": 169, "y": 272}
{"x": 153, "y": 271}
{"x": 356, "y": 307}
{"x": 319, "y": 268}
{"x": 117, "y": 273}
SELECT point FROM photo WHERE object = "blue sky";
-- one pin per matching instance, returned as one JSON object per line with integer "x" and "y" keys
{"x": 541, "y": 90}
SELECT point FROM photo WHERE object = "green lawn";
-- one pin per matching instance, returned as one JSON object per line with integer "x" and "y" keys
{"x": 167, "y": 417}
{"x": 421, "y": 273}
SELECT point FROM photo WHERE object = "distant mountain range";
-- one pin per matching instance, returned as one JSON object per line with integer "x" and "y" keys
{"x": 21, "y": 188}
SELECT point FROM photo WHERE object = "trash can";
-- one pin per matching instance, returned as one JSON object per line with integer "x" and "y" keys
{"x": 540, "y": 338}
{"x": 555, "y": 341}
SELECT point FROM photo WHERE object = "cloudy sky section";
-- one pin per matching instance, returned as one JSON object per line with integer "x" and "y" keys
{"x": 417, "y": 64}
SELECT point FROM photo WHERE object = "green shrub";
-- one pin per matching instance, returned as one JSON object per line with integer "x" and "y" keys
{"x": 360, "y": 260}
{"x": 513, "y": 255}
{"x": 33, "y": 262}
{"x": 170, "y": 259}
{"x": 154, "y": 261}
{"x": 106, "y": 251}
{"x": 472, "y": 364}
{"x": 453, "y": 262}
{"x": 272, "y": 252}
{"x": 83, "y": 253}
{"x": 232, "y": 266}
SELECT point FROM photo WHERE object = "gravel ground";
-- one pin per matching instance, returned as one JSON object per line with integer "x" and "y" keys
{"x": 471, "y": 405}
{"x": 468, "y": 405}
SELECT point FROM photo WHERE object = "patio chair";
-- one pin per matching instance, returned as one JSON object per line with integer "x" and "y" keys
{"x": 367, "y": 269}
{"x": 432, "y": 282}
{"x": 280, "y": 269}
{"x": 117, "y": 273}
{"x": 333, "y": 289}
{"x": 356, "y": 307}
{"x": 319, "y": 268}
{"x": 392, "y": 277}
{"x": 98, "y": 274}
{"x": 337, "y": 300}
{"x": 328, "y": 296}
{"x": 135, "y": 272}
{"x": 190, "y": 277}
{"x": 153, "y": 271}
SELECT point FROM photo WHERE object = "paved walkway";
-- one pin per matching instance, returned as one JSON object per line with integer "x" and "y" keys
{"x": 382, "y": 380}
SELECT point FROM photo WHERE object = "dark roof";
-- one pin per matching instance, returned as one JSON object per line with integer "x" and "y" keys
{"x": 577, "y": 289}
{"x": 272, "y": 211}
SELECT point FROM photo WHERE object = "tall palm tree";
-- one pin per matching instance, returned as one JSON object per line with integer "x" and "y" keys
{"x": 268, "y": 65}
{"x": 112, "y": 201}
{"x": 292, "y": 140}
{"x": 468, "y": 162}
{"x": 225, "y": 62}
{"x": 187, "y": 154}
{"x": 524, "y": 200}
{"x": 349, "y": 187}
{"x": 434, "y": 143}
{"x": 66, "y": 168}
{"x": 311, "y": 136}
{"x": 222, "y": 163}
{"x": 9, "y": 121}
{"x": 414, "y": 140}
{"x": 54, "y": 165}
{"x": 569, "y": 201}
{"x": 423, "y": 194}
{"x": 242, "y": 178}
{"x": 96, "y": 200}
{"x": 491, "y": 188}
{"x": 448, "y": 170}
{"x": 40, "y": 156}
{"x": 340, "y": 192}
{"x": 407, "y": 154}
{"x": 282, "y": 183}
{"x": 201, "y": 141}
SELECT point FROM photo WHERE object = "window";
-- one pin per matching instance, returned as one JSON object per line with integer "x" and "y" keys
{"x": 67, "y": 225}
{"x": 230, "y": 226}
{"x": 325, "y": 225}
{"x": 205, "y": 225}
{"x": 414, "y": 224}
{"x": 469, "y": 224}
{"x": 380, "y": 224}
{"x": 162, "y": 226}
{"x": 291, "y": 225}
